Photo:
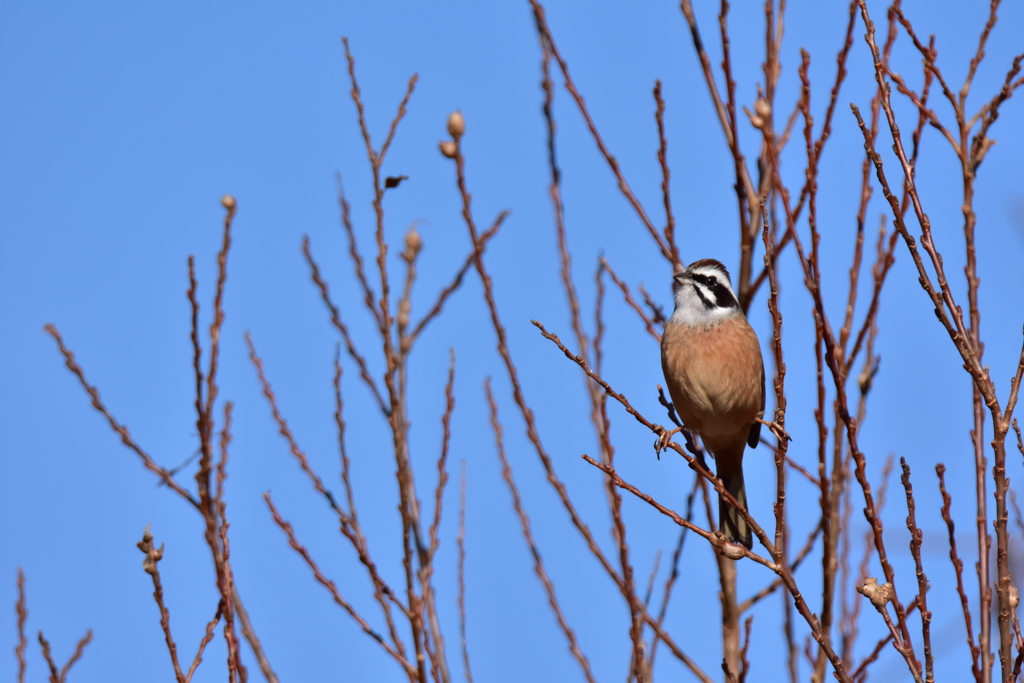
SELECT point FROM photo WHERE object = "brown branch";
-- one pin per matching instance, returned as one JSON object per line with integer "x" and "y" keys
{"x": 153, "y": 556}
{"x": 250, "y": 635}
{"x": 442, "y": 297}
{"x": 981, "y": 143}
{"x": 332, "y": 588}
{"x": 860, "y": 673}
{"x": 929, "y": 59}
{"x": 670, "y": 221}
{"x": 76, "y": 655}
{"x": 1011, "y": 402}
{"x": 657, "y": 312}
{"x": 398, "y": 116}
{"x": 599, "y": 415}
{"x": 217, "y": 538}
{"x": 21, "y": 610}
{"x": 648, "y": 322}
{"x": 524, "y": 520}
{"x": 745, "y": 192}
{"x": 339, "y": 420}
{"x": 919, "y": 102}
{"x": 922, "y": 580}
{"x": 122, "y": 431}
{"x": 461, "y": 543}
{"x": 739, "y": 551}
{"x": 517, "y": 392}
{"x": 942, "y": 297}
{"x": 968, "y": 343}
{"x": 958, "y": 566}
{"x": 342, "y": 327}
{"x": 286, "y": 432}
{"x": 207, "y": 638}
{"x": 54, "y": 673}
{"x": 652, "y": 577}
{"x": 813, "y": 282}
{"x": 357, "y": 259}
{"x": 670, "y": 582}
{"x": 778, "y": 382}
{"x": 659, "y": 430}
{"x": 359, "y": 102}
{"x": 528, "y": 416}
{"x": 744, "y": 662}
{"x": 793, "y": 565}
{"x": 980, "y": 54}
{"x": 427, "y": 567}
{"x": 548, "y": 38}
{"x": 442, "y": 470}
{"x": 206, "y": 438}
{"x": 796, "y": 466}
{"x": 349, "y": 523}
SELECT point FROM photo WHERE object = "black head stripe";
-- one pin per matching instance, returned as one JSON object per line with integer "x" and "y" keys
{"x": 700, "y": 292}
{"x": 723, "y": 297}
{"x": 709, "y": 263}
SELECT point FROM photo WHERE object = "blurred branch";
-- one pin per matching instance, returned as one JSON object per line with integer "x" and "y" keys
{"x": 122, "y": 431}
{"x": 333, "y": 589}
{"x": 524, "y": 520}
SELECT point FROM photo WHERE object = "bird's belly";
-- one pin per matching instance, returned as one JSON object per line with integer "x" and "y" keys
{"x": 714, "y": 376}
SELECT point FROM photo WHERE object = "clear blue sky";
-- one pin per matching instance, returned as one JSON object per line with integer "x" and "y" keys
{"x": 124, "y": 124}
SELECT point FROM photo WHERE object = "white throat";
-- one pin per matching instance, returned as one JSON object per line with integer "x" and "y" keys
{"x": 691, "y": 311}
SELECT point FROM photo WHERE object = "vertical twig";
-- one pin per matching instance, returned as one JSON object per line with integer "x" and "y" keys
{"x": 21, "y": 610}
{"x": 524, "y": 520}
{"x": 922, "y": 580}
{"x": 958, "y": 566}
{"x": 153, "y": 556}
{"x": 461, "y": 542}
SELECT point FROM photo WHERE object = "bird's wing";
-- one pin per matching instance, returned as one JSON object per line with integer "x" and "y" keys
{"x": 755, "y": 429}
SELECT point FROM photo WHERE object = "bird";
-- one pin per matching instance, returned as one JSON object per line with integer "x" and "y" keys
{"x": 714, "y": 371}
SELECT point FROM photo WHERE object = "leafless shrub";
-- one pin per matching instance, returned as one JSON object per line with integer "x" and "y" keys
{"x": 772, "y": 217}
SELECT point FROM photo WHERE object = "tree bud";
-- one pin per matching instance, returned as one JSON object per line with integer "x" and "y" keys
{"x": 456, "y": 124}
{"x": 449, "y": 148}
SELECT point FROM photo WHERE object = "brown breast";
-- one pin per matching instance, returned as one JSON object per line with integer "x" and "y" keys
{"x": 715, "y": 376}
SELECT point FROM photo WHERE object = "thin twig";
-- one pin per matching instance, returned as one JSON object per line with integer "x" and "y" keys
{"x": 349, "y": 524}
{"x": 445, "y": 293}
{"x": 648, "y": 322}
{"x": 922, "y": 580}
{"x": 524, "y": 520}
{"x": 333, "y": 588}
{"x": 958, "y": 566}
{"x": 717, "y": 539}
{"x": 461, "y": 542}
{"x": 122, "y": 431}
{"x": 150, "y": 564}
{"x": 342, "y": 327}
{"x": 613, "y": 164}
{"x": 794, "y": 564}
{"x": 21, "y": 609}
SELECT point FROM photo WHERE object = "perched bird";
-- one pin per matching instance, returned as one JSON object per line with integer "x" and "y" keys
{"x": 715, "y": 374}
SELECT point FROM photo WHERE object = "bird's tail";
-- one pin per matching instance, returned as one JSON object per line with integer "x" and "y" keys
{"x": 731, "y": 522}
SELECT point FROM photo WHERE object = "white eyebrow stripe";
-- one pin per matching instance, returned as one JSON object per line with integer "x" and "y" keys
{"x": 718, "y": 275}
{"x": 706, "y": 294}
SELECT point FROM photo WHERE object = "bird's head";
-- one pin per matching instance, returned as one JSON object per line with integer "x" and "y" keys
{"x": 704, "y": 295}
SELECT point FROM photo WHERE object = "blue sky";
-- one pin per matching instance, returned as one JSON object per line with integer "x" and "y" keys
{"x": 124, "y": 124}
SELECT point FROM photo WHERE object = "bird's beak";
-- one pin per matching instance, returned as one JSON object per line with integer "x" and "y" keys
{"x": 681, "y": 277}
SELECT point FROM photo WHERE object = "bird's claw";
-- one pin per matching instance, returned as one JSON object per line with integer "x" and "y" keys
{"x": 776, "y": 429}
{"x": 664, "y": 439}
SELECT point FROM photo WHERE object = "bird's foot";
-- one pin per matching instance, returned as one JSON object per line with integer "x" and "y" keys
{"x": 664, "y": 439}
{"x": 776, "y": 429}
